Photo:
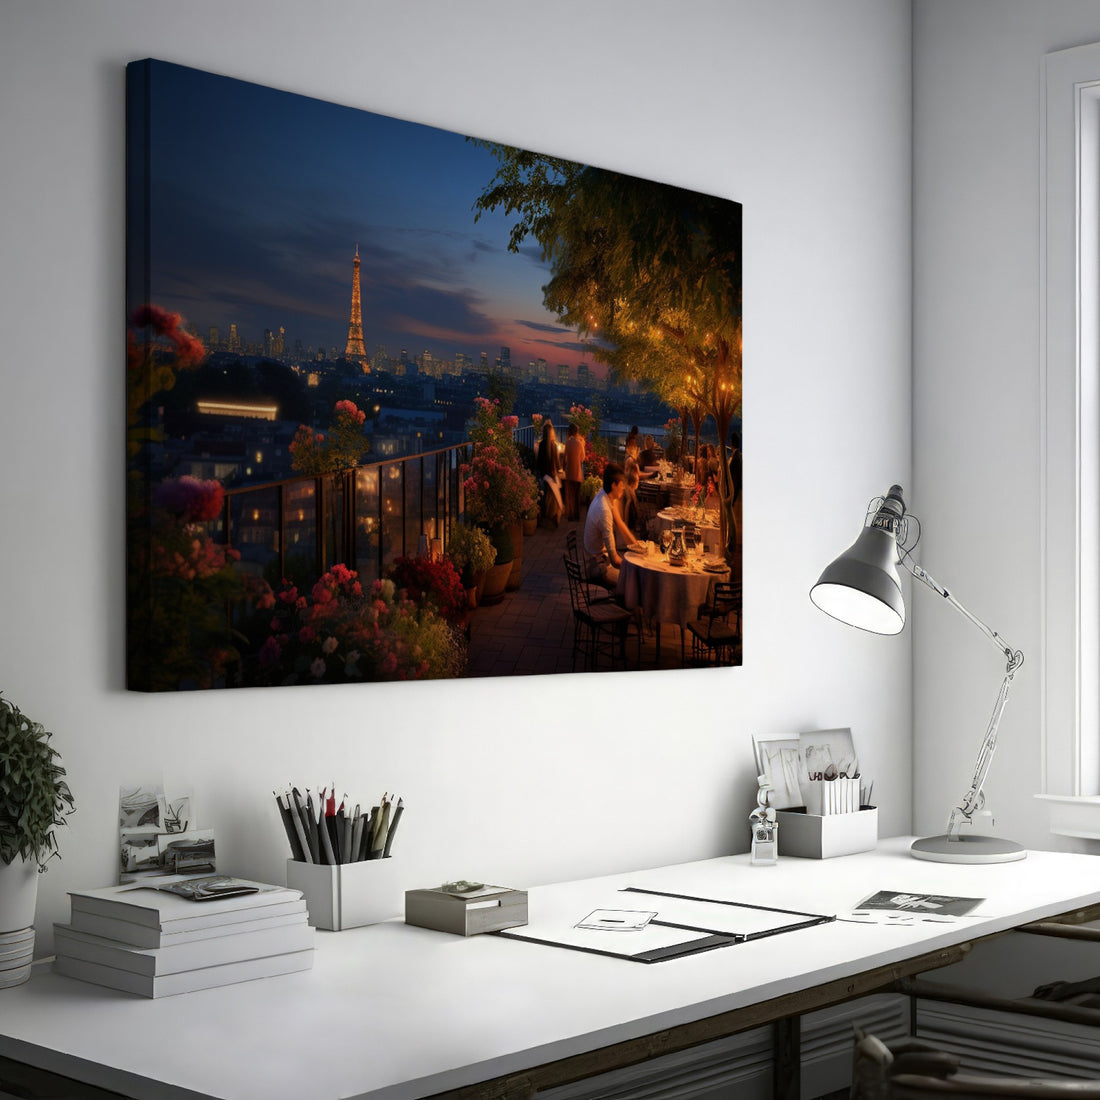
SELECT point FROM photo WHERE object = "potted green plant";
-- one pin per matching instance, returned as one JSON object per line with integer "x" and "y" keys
{"x": 472, "y": 554}
{"x": 34, "y": 800}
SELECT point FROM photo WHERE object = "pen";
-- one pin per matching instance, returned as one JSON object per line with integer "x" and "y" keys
{"x": 323, "y": 827}
{"x": 378, "y": 844}
{"x": 372, "y": 831}
{"x": 393, "y": 826}
{"x": 305, "y": 813}
{"x": 293, "y": 828}
{"x": 356, "y": 834}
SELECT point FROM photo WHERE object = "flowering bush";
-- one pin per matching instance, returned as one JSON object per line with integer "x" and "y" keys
{"x": 179, "y": 581}
{"x": 498, "y": 489}
{"x": 340, "y": 449}
{"x": 435, "y": 583}
{"x": 156, "y": 347}
{"x": 184, "y": 581}
{"x": 594, "y": 461}
{"x": 488, "y": 427}
{"x": 585, "y": 419}
{"x": 189, "y": 499}
{"x": 341, "y": 632}
{"x": 589, "y": 488}
{"x": 469, "y": 548}
{"x": 536, "y": 423}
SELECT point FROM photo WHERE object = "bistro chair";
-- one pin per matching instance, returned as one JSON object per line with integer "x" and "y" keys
{"x": 917, "y": 1071}
{"x": 713, "y": 638}
{"x": 573, "y": 548}
{"x": 599, "y": 628}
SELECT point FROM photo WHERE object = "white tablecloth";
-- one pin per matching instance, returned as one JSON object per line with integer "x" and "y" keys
{"x": 665, "y": 593}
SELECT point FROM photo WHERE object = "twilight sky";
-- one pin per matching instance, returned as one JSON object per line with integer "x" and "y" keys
{"x": 259, "y": 198}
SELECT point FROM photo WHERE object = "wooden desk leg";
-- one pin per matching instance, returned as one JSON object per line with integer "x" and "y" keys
{"x": 787, "y": 1058}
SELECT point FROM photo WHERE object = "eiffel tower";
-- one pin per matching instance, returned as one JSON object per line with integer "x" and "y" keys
{"x": 355, "y": 349}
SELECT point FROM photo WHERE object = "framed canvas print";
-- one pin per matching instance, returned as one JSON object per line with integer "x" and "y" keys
{"x": 383, "y": 379}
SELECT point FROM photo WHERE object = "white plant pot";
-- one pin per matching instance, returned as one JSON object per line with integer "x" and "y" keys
{"x": 18, "y": 894}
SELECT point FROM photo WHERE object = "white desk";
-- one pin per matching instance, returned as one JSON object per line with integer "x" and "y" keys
{"x": 393, "y": 1011}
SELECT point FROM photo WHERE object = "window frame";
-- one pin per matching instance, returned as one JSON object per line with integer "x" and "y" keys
{"x": 1070, "y": 422}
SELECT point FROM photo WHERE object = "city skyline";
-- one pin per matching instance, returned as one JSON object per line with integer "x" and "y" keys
{"x": 249, "y": 230}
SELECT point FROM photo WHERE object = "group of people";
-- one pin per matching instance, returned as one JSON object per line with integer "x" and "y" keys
{"x": 614, "y": 516}
{"x": 560, "y": 480}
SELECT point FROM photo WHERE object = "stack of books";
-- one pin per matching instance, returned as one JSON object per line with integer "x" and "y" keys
{"x": 145, "y": 939}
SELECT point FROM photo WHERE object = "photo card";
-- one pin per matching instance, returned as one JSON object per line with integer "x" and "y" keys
{"x": 779, "y": 760}
{"x": 828, "y": 754}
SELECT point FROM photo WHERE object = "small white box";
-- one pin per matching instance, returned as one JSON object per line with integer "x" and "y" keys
{"x": 348, "y": 895}
{"x": 821, "y": 837}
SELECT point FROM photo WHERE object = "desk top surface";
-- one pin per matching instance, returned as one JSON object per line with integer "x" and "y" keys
{"x": 392, "y": 1011}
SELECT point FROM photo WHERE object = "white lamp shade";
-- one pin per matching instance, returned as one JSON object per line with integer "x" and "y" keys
{"x": 862, "y": 587}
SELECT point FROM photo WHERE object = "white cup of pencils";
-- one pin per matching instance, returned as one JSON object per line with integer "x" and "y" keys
{"x": 323, "y": 829}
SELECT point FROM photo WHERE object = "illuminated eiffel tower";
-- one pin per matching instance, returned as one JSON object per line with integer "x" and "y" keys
{"x": 355, "y": 349}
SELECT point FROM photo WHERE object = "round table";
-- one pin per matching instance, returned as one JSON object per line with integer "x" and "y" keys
{"x": 679, "y": 513}
{"x": 665, "y": 593}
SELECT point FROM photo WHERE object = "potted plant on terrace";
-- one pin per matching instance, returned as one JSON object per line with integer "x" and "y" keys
{"x": 499, "y": 493}
{"x": 473, "y": 554}
{"x": 34, "y": 800}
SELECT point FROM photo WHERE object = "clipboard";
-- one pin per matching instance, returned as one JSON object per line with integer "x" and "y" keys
{"x": 685, "y": 925}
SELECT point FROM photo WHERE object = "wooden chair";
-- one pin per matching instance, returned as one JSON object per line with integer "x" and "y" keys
{"x": 599, "y": 628}
{"x": 917, "y": 1071}
{"x": 713, "y": 637}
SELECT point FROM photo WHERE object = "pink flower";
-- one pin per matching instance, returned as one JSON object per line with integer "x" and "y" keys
{"x": 317, "y": 669}
{"x": 329, "y": 644}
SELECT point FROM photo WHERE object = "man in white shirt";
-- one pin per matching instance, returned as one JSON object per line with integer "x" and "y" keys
{"x": 601, "y": 559}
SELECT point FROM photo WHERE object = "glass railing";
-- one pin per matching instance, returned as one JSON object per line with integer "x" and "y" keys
{"x": 363, "y": 518}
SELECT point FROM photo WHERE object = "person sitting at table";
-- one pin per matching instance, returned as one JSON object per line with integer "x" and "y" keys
{"x": 548, "y": 465}
{"x": 649, "y": 454}
{"x": 628, "y": 508}
{"x": 601, "y": 558}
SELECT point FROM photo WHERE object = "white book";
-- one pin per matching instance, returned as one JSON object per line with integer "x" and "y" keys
{"x": 185, "y": 956}
{"x": 140, "y": 935}
{"x": 168, "y": 985}
{"x": 144, "y": 903}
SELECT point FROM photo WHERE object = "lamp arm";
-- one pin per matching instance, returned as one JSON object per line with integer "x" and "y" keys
{"x": 974, "y": 799}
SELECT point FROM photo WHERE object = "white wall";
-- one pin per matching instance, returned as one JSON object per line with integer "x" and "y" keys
{"x": 976, "y": 405}
{"x": 798, "y": 109}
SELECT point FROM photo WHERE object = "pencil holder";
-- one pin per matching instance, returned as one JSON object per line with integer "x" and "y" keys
{"x": 349, "y": 895}
{"x": 821, "y": 836}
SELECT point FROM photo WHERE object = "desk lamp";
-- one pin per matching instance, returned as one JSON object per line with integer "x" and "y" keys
{"x": 862, "y": 588}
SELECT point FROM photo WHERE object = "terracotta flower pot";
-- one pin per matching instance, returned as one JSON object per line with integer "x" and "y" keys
{"x": 492, "y": 588}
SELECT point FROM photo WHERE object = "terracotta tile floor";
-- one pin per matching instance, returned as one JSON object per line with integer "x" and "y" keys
{"x": 531, "y": 630}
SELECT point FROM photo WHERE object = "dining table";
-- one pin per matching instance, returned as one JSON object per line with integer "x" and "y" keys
{"x": 662, "y": 592}
{"x": 677, "y": 513}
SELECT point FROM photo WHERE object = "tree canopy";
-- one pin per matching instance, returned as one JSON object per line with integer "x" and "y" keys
{"x": 650, "y": 272}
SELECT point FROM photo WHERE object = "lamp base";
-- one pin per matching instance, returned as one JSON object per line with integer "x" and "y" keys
{"x": 967, "y": 849}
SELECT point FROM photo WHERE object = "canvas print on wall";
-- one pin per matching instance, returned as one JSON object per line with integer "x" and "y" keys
{"x": 402, "y": 404}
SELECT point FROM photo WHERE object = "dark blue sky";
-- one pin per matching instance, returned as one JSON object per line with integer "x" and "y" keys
{"x": 259, "y": 197}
